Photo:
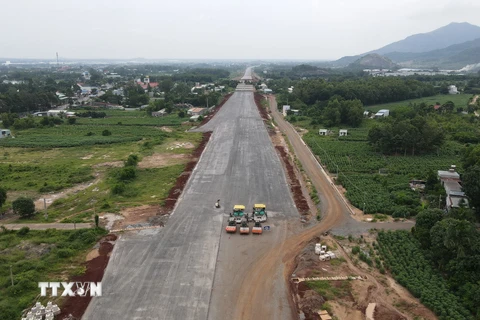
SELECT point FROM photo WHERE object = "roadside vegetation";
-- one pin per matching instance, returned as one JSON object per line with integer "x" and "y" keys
{"x": 34, "y": 256}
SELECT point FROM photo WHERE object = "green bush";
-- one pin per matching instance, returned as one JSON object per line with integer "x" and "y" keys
{"x": 106, "y": 133}
{"x": 23, "y": 206}
{"x": 356, "y": 250}
{"x": 127, "y": 173}
{"x": 23, "y": 231}
{"x": 118, "y": 188}
{"x": 132, "y": 161}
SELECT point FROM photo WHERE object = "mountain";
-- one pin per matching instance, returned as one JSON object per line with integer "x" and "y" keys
{"x": 444, "y": 37}
{"x": 452, "y": 57}
{"x": 373, "y": 61}
{"x": 451, "y": 34}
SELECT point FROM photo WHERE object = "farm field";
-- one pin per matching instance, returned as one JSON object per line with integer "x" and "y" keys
{"x": 460, "y": 100}
{"x": 43, "y": 162}
{"x": 375, "y": 182}
{"x": 403, "y": 258}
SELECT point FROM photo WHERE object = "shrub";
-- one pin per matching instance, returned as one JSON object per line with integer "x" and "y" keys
{"x": 106, "y": 133}
{"x": 3, "y": 196}
{"x": 118, "y": 188}
{"x": 23, "y": 231}
{"x": 127, "y": 173}
{"x": 132, "y": 161}
{"x": 72, "y": 120}
{"x": 356, "y": 250}
{"x": 24, "y": 207}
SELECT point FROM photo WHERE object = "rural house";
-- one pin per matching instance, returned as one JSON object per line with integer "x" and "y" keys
{"x": 285, "y": 109}
{"x": 343, "y": 133}
{"x": 450, "y": 180}
{"x": 196, "y": 111}
{"x": 160, "y": 113}
{"x": 5, "y": 133}
{"x": 323, "y": 132}
{"x": 452, "y": 89}
{"x": 382, "y": 113}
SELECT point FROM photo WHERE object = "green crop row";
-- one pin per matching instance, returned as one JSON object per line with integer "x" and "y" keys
{"x": 404, "y": 259}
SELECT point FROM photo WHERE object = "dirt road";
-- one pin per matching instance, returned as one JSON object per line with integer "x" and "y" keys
{"x": 45, "y": 226}
{"x": 260, "y": 285}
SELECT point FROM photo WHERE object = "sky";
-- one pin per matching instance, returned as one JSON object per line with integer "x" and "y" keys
{"x": 218, "y": 29}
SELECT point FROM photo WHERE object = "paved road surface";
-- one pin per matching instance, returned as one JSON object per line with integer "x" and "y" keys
{"x": 248, "y": 74}
{"x": 258, "y": 178}
{"x": 169, "y": 273}
{"x": 45, "y": 226}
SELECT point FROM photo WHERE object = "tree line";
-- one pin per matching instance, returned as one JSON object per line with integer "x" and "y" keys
{"x": 407, "y": 136}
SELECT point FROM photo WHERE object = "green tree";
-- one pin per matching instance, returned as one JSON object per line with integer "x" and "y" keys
{"x": 8, "y": 119}
{"x": 332, "y": 113}
{"x": 425, "y": 221}
{"x": 3, "y": 196}
{"x": 471, "y": 186}
{"x": 23, "y": 206}
{"x": 72, "y": 120}
{"x": 181, "y": 114}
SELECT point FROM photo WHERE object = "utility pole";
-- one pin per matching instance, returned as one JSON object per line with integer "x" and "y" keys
{"x": 45, "y": 208}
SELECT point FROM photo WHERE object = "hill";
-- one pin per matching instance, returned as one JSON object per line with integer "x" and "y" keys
{"x": 373, "y": 61}
{"x": 451, "y": 34}
{"x": 411, "y": 48}
{"x": 452, "y": 57}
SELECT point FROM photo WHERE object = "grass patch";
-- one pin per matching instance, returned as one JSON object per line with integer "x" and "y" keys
{"x": 38, "y": 256}
{"x": 460, "y": 100}
{"x": 330, "y": 290}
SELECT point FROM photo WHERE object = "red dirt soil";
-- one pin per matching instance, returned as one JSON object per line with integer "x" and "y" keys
{"x": 177, "y": 189}
{"x": 295, "y": 187}
{"x": 77, "y": 305}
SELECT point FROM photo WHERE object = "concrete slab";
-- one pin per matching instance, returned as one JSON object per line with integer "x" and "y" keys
{"x": 169, "y": 274}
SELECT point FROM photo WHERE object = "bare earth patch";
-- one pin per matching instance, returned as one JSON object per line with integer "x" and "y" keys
{"x": 88, "y": 156}
{"x": 92, "y": 255}
{"x": 111, "y": 164}
{"x": 136, "y": 216}
{"x": 158, "y": 160}
{"x": 393, "y": 302}
{"x": 51, "y": 197}
{"x": 165, "y": 129}
{"x": 180, "y": 145}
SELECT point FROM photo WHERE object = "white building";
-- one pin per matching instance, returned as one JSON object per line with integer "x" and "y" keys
{"x": 452, "y": 89}
{"x": 5, "y": 133}
{"x": 343, "y": 133}
{"x": 285, "y": 109}
{"x": 323, "y": 132}
{"x": 382, "y": 113}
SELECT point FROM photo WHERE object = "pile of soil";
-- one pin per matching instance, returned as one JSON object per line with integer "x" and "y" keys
{"x": 177, "y": 189}
{"x": 74, "y": 307}
{"x": 295, "y": 187}
{"x": 258, "y": 101}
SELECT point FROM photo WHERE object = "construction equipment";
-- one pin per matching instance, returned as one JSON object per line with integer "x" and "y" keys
{"x": 244, "y": 228}
{"x": 257, "y": 228}
{"x": 232, "y": 226}
{"x": 238, "y": 213}
{"x": 259, "y": 212}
